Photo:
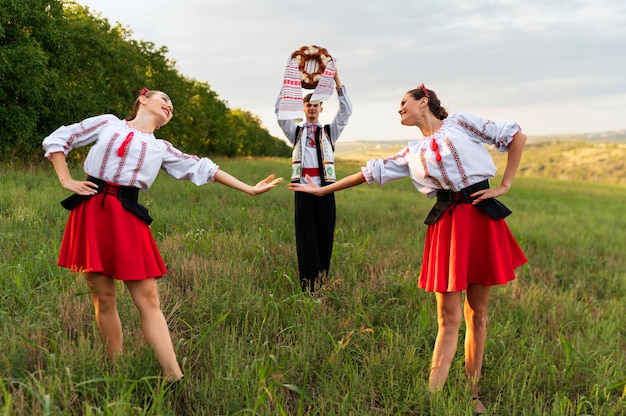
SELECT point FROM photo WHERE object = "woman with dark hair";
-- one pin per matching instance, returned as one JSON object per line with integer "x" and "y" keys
{"x": 468, "y": 244}
{"x": 108, "y": 235}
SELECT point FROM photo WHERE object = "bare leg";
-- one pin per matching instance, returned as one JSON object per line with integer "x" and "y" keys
{"x": 154, "y": 326}
{"x": 105, "y": 304}
{"x": 476, "y": 306}
{"x": 449, "y": 317}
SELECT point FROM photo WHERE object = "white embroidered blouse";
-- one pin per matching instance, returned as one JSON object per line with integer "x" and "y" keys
{"x": 140, "y": 163}
{"x": 453, "y": 157}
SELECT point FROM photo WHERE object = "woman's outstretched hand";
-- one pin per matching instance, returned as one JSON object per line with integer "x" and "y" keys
{"x": 310, "y": 187}
{"x": 267, "y": 184}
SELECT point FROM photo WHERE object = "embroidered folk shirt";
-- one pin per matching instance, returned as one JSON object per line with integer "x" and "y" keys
{"x": 139, "y": 165}
{"x": 309, "y": 154}
{"x": 326, "y": 153}
{"x": 453, "y": 157}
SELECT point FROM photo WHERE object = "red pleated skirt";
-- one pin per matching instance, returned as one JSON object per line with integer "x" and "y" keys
{"x": 102, "y": 237}
{"x": 466, "y": 246}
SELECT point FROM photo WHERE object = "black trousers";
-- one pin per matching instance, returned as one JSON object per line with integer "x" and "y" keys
{"x": 315, "y": 218}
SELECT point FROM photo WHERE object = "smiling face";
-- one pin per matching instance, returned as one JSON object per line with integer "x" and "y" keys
{"x": 160, "y": 105}
{"x": 412, "y": 111}
{"x": 312, "y": 111}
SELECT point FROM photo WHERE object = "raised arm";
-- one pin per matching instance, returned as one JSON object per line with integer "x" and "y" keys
{"x": 337, "y": 80}
{"x": 261, "y": 187}
{"x": 340, "y": 121}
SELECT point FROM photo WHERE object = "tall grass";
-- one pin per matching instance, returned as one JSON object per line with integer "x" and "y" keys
{"x": 251, "y": 343}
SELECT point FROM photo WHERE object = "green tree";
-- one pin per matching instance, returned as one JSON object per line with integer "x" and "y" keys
{"x": 252, "y": 139}
{"x": 61, "y": 63}
{"x": 23, "y": 69}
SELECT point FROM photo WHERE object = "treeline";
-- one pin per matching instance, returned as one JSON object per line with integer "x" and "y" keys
{"x": 60, "y": 63}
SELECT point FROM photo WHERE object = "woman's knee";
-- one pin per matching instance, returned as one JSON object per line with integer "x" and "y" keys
{"x": 477, "y": 304}
{"x": 151, "y": 301}
{"x": 450, "y": 320}
{"x": 450, "y": 317}
{"x": 449, "y": 313}
{"x": 144, "y": 294}
{"x": 476, "y": 314}
{"x": 477, "y": 317}
{"x": 103, "y": 292}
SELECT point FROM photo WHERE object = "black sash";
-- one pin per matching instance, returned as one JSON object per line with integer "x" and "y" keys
{"x": 446, "y": 198}
{"x": 127, "y": 195}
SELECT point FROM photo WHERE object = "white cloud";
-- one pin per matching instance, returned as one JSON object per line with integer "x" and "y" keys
{"x": 552, "y": 66}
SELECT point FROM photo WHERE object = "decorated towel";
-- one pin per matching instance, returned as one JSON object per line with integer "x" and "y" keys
{"x": 310, "y": 67}
{"x": 325, "y": 85}
{"x": 290, "y": 99}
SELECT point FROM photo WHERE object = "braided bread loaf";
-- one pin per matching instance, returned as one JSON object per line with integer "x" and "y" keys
{"x": 312, "y": 62}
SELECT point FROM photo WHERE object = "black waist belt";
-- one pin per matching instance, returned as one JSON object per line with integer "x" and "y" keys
{"x": 447, "y": 198}
{"x": 127, "y": 195}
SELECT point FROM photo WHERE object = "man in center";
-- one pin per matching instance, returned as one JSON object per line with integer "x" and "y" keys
{"x": 313, "y": 155}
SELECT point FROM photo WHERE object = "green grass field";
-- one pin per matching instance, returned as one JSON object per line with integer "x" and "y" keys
{"x": 251, "y": 343}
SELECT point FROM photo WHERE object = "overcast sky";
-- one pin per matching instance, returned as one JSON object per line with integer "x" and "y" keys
{"x": 552, "y": 66}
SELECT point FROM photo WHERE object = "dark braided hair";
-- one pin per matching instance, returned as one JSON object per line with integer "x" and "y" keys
{"x": 133, "y": 113}
{"x": 433, "y": 102}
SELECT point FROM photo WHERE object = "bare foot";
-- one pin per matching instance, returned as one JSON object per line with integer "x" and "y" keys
{"x": 173, "y": 379}
{"x": 479, "y": 407}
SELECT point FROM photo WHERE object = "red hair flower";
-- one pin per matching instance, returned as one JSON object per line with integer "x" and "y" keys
{"x": 425, "y": 91}
{"x": 144, "y": 91}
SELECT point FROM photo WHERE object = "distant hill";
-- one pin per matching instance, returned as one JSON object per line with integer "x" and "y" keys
{"x": 615, "y": 136}
{"x": 593, "y": 157}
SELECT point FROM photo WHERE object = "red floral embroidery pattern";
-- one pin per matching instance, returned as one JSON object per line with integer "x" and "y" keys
{"x": 170, "y": 150}
{"x": 436, "y": 183}
{"x": 444, "y": 175}
{"x": 397, "y": 156}
{"x": 479, "y": 133}
{"x": 107, "y": 154}
{"x": 120, "y": 167}
{"x": 500, "y": 143}
{"x": 81, "y": 133}
{"x": 457, "y": 162}
{"x": 142, "y": 158}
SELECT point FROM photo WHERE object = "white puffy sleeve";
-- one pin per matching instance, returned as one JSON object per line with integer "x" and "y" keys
{"x": 498, "y": 134}
{"x": 180, "y": 165}
{"x": 66, "y": 138}
{"x": 385, "y": 170}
